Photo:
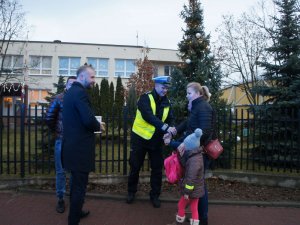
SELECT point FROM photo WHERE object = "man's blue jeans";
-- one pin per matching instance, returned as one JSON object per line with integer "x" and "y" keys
{"x": 60, "y": 173}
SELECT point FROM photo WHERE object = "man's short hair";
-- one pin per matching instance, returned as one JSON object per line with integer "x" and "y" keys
{"x": 83, "y": 68}
{"x": 71, "y": 77}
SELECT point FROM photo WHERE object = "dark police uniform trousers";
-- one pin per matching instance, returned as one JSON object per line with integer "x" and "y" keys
{"x": 139, "y": 148}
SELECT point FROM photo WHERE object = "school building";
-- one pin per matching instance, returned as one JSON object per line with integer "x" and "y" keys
{"x": 33, "y": 66}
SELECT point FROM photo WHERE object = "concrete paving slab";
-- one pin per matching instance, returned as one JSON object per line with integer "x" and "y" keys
{"x": 20, "y": 208}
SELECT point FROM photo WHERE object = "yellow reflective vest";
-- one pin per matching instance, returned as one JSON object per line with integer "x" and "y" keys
{"x": 142, "y": 127}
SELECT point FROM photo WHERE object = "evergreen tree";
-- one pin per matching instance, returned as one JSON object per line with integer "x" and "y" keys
{"x": 215, "y": 85}
{"x": 277, "y": 141}
{"x": 98, "y": 100}
{"x": 60, "y": 87}
{"x": 177, "y": 93}
{"x": 283, "y": 72}
{"x": 61, "y": 84}
{"x": 119, "y": 96}
{"x": 198, "y": 65}
{"x": 94, "y": 94}
{"x": 131, "y": 101}
{"x": 142, "y": 80}
{"x": 194, "y": 48}
{"x": 111, "y": 98}
{"x": 104, "y": 95}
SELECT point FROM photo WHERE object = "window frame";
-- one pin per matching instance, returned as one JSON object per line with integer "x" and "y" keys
{"x": 97, "y": 68}
{"x": 69, "y": 69}
{"x": 12, "y": 68}
{"x": 170, "y": 69}
{"x": 40, "y": 67}
{"x": 124, "y": 71}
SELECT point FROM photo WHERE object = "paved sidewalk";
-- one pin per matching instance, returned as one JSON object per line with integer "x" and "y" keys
{"x": 39, "y": 209}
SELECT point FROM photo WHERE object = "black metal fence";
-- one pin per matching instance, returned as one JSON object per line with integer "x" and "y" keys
{"x": 260, "y": 140}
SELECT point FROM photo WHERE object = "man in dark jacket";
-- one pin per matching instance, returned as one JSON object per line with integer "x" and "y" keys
{"x": 151, "y": 123}
{"x": 54, "y": 122}
{"x": 78, "y": 148}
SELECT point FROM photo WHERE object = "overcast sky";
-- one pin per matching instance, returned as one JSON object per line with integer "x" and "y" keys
{"x": 157, "y": 22}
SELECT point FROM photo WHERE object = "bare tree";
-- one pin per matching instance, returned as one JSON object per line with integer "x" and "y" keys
{"x": 12, "y": 25}
{"x": 241, "y": 46}
{"x": 262, "y": 16}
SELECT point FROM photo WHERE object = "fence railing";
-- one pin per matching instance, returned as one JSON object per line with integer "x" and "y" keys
{"x": 260, "y": 140}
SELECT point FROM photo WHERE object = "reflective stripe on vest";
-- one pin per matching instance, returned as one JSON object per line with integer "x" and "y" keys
{"x": 189, "y": 187}
{"x": 142, "y": 127}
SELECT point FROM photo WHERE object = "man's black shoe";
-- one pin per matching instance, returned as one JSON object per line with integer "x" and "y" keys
{"x": 60, "y": 207}
{"x": 130, "y": 198}
{"x": 84, "y": 213}
{"x": 155, "y": 202}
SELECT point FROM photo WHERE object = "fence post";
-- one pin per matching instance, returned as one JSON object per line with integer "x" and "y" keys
{"x": 230, "y": 136}
{"x": 125, "y": 119}
{"x": 22, "y": 140}
{"x": 1, "y": 137}
{"x": 298, "y": 163}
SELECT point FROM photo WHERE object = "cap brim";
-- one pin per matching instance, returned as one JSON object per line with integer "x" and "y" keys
{"x": 167, "y": 84}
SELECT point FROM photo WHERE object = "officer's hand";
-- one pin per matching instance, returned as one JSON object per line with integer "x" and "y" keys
{"x": 167, "y": 138}
{"x": 186, "y": 197}
{"x": 167, "y": 135}
{"x": 172, "y": 130}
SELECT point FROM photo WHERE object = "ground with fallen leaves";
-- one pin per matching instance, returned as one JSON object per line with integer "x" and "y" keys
{"x": 218, "y": 189}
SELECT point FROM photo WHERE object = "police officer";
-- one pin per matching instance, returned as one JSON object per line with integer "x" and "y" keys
{"x": 152, "y": 121}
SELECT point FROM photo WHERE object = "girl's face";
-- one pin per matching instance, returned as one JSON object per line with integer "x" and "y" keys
{"x": 191, "y": 94}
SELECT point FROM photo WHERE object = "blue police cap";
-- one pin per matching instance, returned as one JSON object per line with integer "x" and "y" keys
{"x": 165, "y": 80}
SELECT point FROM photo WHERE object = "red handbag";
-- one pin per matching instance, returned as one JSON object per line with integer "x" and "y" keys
{"x": 213, "y": 148}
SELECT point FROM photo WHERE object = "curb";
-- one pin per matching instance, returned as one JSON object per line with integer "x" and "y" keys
{"x": 163, "y": 199}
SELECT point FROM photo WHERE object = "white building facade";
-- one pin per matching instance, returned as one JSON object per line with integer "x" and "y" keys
{"x": 38, "y": 64}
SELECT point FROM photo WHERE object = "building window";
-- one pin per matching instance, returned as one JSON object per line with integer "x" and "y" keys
{"x": 40, "y": 65}
{"x": 68, "y": 65}
{"x": 168, "y": 70}
{"x": 155, "y": 70}
{"x": 8, "y": 101}
{"x": 13, "y": 63}
{"x": 100, "y": 65}
{"x": 124, "y": 67}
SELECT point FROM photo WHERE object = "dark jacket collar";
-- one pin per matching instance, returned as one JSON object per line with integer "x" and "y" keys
{"x": 197, "y": 101}
{"x": 155, "y": 95}
{"x": 76, "y": 83}
{"x": 159, "y": 99}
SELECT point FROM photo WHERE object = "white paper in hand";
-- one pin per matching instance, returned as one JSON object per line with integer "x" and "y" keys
{"x": 99, "y": 118}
